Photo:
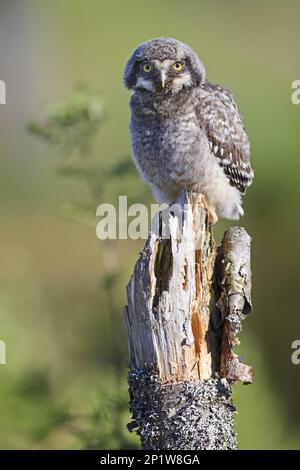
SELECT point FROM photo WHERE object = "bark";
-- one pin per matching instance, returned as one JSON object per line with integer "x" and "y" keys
{"x": 186, "y": 301}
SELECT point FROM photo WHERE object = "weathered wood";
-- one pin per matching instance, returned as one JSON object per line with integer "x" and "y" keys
{"x": 186, "y": 301}
{"x": 233, "y": 263}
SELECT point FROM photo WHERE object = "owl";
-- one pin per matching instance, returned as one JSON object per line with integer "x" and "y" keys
{"x": 186, "y": 131}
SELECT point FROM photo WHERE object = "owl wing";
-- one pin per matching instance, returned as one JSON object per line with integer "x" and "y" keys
{"x": 219, "y": 117}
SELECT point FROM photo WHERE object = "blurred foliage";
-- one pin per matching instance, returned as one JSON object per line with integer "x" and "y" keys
{"x": 81, "y": 415}
{"x": 62, "y": 290}
{"x": 71, "y": 125}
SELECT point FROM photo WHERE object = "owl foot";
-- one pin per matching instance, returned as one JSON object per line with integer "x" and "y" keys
{"x": 211, "y": 211}
{"x": 212, "y": 216}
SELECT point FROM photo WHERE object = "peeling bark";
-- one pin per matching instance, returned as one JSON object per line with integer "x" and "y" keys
{"x": 186, "y": 301}
{"x": 235, "y": 299}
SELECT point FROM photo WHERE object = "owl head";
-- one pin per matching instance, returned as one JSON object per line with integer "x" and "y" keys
{"x": 163, "y": 65}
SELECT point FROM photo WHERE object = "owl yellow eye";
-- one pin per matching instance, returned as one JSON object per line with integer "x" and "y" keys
{"x": 147, "y": 68}
{"x": 178, "y": 66}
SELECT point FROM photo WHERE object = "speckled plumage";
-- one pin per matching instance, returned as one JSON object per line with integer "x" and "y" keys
{"x": 189, "y": 133}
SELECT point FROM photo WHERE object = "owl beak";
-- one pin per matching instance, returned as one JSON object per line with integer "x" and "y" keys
{"x": 163, "y": 77}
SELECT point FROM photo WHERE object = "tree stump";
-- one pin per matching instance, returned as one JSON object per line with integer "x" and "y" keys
{"x": 186, "y": 301}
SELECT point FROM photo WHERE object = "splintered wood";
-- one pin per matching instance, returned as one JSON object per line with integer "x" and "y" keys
{"x": 187, "y": 298}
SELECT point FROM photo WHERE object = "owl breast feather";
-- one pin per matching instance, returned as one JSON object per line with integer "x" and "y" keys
{"x": 166, "y": 146}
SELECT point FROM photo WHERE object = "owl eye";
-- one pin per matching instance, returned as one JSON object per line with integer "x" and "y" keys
{"x": 178, "y": 66}
{"x": 147, "y": 68}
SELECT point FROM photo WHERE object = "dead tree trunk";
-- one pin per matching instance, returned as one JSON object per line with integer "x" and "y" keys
{"x": 186, "y": 300}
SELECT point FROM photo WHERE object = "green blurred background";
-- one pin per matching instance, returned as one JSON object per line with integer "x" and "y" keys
{"x": 62, "y": 291}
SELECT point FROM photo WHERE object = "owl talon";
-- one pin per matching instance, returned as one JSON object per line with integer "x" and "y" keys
{"x": 211, "y": 212}
{"x": 212, "y": 216}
